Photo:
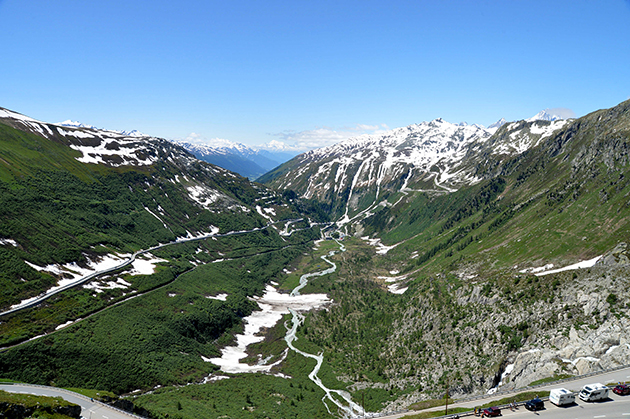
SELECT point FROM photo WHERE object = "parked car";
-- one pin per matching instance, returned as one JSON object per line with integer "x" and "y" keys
{"x": 622, "y": 389}
{"x": 535, "y": 404}
{"x": 492, "y": 411}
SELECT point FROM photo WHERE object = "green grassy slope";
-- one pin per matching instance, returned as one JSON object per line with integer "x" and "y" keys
{"x": 565, "y": 199}
{"x": 59, "y": 210}
{"x": 56, "y": 210}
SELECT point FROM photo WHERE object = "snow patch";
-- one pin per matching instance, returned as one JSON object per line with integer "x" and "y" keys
{"x": 145, "y": 264}
{"x": 203, "y": 195}
{"x": 100, "y": 286}
{"x": 393, "y": 288}
{"x": 260, "y": 211}
{"x": 221, "y": 297}
{"x": 535, "y": 270}
{"x": 381, "y": 249}
{"x": 575, "y": 361}
{"x": 580, "y": 265}
{"x": 273, "y": 306}
{"x": 66, "y": 324}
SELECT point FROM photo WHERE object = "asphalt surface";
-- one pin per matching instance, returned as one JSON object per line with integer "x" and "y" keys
{"x": 610, "y": 407}
{"x": 616, "y": 407}
{"x": 89, "y": 409}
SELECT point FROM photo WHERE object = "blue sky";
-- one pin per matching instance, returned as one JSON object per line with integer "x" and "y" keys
{"x": 308, "y": 72}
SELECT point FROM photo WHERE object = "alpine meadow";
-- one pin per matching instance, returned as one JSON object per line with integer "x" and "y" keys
{"x": 369, "y": 276}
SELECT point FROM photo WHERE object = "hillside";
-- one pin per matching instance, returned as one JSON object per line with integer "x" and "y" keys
{"x": 470, "y": 255}
{"x": 466, "y": 258}
{"x": 78, "y": 200}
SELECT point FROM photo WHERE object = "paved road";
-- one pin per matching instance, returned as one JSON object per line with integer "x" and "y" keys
{"x": 90, "y": 409}
{"x": 129, "y": 261}
{"x": 574, "y": 385}
{"x": 617, "y": 407}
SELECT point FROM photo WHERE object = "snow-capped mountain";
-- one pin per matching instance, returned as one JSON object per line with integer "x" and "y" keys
{"x": 436, "y": 157}
{"x": 544, "y": 116}
{"x": 98, "y": 146}
{"x": 497, "y": 124}
{"x": 77, "y": 124}
{"x": 237, "y": 157}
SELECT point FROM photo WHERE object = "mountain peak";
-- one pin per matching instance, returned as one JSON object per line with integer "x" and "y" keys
{"x": 132, "y": 133}
{"x": 498, "y": 124}
{"x": 75, "y": 124}
{"x": 544, "y": 116}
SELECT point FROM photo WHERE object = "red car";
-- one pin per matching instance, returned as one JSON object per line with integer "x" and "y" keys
{"x": 622, "y": 389}
{"x": 492, "y": 411}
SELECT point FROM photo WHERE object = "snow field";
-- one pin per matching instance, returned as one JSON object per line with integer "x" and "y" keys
{"x": 273, "y": 306}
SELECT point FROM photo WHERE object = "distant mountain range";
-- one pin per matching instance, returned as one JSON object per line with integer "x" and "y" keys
{"x": 436, "y": 157}
{"x": 246, "y": 161}
{"x": 254, "y": 162}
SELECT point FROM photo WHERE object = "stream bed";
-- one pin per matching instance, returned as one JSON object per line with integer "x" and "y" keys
{"x": 273, "y": 306}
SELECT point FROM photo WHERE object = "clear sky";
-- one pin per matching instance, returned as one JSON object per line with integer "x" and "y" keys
{"x": 308, "y": 71}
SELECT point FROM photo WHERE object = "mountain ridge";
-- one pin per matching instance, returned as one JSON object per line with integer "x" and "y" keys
{"x": 472, "y": 260}
{"x": 435, "y": 156}
{"x": 237, "y": 157}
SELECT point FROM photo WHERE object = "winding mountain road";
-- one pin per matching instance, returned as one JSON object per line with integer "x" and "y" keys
{"x": 47, "y": 295}
{"x": 90, "y": 409}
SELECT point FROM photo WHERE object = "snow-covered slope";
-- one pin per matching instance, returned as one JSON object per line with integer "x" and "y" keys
{"x": 436, "y": 157}
{"x": 360, "y": 170}
{"x": 111, "y": 148}
{"x": 544, "y": 116}
{"x": 206, "y": 186}
{"x": 511, "y": 139}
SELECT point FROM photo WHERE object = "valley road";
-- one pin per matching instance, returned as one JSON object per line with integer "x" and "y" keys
{"x": 89, "y": 409}
{"x": 616, "y": 407}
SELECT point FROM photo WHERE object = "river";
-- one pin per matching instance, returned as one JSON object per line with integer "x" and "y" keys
{"x": 273, "y": 306}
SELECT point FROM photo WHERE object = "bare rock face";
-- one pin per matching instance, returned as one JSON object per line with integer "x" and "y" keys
{"x": 616, "y": 257}
{"x": 475, "y": 297}
{"x": 582, "y": 352}
{"x": 599, "y": 341}
{"x": 532, "y": 365}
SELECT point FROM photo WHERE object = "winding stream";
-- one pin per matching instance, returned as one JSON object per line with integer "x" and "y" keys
{"x": 294, "y": 302}
{"x": 340, "y": 398}
{"x": 273, "y": 306}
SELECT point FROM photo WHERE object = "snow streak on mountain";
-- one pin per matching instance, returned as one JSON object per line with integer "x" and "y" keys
{"x": 436, "y": 157}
